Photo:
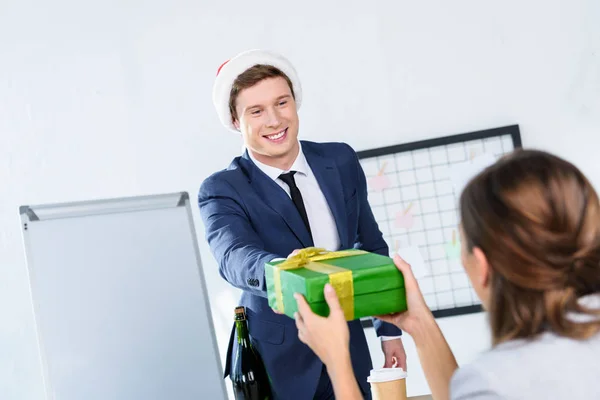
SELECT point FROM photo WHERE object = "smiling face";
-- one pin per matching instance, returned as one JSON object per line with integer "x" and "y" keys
{"x": 268, "y": 120}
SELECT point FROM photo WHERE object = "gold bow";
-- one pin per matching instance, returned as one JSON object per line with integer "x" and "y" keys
{"x": 339, "y": 278}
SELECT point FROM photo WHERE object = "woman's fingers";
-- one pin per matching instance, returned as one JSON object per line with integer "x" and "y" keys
{"x": 300, "y": 326}
{"x": 402, "y": 265}
{"x": 332, "y": 300}
{"x": 303, "y": 307}
{"x": 303, "y": 314}
{"x": 409, "y": 278}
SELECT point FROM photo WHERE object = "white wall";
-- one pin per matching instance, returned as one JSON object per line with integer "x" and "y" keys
{"x": 113, "y": 99}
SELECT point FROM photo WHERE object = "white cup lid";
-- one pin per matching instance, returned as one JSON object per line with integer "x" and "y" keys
{"x": 386, "y": 375}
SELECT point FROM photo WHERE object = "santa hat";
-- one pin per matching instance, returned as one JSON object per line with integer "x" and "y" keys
{"x": 231, "y": 69}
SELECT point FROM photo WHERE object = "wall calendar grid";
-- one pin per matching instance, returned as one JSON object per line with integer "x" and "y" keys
{"x": 413, "y": 190}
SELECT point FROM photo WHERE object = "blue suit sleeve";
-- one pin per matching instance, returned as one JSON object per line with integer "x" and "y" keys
{"x": 233, "y": 241}
{"x": 371, "y": 239}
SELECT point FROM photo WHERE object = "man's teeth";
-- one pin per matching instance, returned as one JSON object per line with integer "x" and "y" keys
{"x": 277, "y": 136}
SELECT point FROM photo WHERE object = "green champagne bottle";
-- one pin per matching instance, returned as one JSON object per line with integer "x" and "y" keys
{"x": 248, "y": 373}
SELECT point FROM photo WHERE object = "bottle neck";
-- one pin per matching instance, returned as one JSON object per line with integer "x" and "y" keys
{"x": 242, "y": 333}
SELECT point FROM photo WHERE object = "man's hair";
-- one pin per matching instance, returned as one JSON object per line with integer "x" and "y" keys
{"x": 251, "y": 77}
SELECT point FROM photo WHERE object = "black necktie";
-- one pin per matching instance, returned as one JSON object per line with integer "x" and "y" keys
{"x": 296, "y": 197}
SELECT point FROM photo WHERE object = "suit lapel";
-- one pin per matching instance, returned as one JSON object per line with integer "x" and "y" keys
{"x": 330, "y": 182}
{"x": 277, "y": 199}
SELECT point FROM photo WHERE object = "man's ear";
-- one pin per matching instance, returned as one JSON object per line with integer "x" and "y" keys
{"x": 482, "y": 265}
{"x": 236, "y": 123}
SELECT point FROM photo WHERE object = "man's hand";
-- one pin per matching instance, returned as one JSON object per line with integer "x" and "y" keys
{"x": 293, "y": 253}
{"x": 393, "y": 351}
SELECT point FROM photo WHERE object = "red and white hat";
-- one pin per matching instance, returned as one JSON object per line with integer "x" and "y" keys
{"x": 231, "y": 69}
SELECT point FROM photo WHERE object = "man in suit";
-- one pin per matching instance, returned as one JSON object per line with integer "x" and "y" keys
{"x": 281, "y": 195}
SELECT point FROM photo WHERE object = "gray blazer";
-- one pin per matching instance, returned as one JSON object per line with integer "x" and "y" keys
{"x": 549, "y": 367}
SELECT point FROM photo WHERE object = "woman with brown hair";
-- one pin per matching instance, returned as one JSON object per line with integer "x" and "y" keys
{"x": 530, "y": 234}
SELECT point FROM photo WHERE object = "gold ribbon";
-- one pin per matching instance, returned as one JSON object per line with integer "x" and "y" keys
{"x": 339, "y": 278}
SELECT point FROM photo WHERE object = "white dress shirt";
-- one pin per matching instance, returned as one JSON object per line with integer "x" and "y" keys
{"x": 321, "y": 221}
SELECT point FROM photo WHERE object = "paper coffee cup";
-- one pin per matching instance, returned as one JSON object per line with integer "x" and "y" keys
{"x": 388, "y": 384}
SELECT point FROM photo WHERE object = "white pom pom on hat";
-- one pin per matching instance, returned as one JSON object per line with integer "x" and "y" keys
{"x": 231, "y": 69}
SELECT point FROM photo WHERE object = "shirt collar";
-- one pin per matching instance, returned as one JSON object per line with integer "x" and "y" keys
{"x": 300, "y": 165}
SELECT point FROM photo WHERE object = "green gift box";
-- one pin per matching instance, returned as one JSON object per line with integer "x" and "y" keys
{"x": 367, "y": 284}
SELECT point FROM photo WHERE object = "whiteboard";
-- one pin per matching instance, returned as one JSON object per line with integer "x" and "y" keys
{"x": 120, "y": 302}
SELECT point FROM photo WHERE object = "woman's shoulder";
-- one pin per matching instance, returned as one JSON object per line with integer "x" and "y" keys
{"x": 509, "y": 369}
{"x": 482, "y": 378}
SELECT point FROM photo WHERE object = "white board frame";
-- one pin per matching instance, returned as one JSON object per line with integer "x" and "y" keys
{"x": 34, "y": 216}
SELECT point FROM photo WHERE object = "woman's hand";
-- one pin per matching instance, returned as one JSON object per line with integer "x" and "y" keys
{"x": 437, "y": 361}
{"x": 418, "y": 311}
{"x": 328, "y": 337}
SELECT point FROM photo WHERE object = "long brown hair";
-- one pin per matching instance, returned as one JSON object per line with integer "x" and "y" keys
{"x": 251, "y": 77}
{"x": 537, "y": 219}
